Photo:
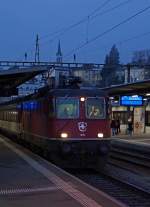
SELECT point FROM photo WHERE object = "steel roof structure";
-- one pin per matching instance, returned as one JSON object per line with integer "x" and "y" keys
{"x": 140, "y": 87}
{"x": 13, "y": 77}
{"x": 14, "y": 73}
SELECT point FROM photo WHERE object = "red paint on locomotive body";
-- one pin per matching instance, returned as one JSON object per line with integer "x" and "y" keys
{"x": 79, "y": 128}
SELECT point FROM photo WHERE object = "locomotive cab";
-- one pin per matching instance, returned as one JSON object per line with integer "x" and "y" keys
{"x": 78, "y": 117}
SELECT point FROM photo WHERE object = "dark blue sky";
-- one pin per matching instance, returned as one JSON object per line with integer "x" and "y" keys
{"x": 21, "y": 20}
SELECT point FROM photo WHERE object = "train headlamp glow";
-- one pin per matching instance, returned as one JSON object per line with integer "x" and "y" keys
{"x": 100, "y": 135}
{"x": 64, "y": 135}
{"x": 82, "y": 99}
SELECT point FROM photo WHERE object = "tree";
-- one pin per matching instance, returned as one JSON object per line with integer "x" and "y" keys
{"x": 109, "y": 75}
{"x": 113, "y": 57}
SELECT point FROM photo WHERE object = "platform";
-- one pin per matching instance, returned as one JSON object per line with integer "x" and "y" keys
{"x": 28, "y": 180}
{"x": 143, "y": 138}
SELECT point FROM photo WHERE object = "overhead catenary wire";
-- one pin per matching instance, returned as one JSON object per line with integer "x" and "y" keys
{"x": 90, "y": 15}
{"x": 111, "y": 9}
{"x": 134, "y": 37}
{"x": 99, "y": 8}
{"x": 60, "y": 31}
{"x": 85, "y": 19}
{"x": 107, "y": 31}
{"x": 126, "y": 40}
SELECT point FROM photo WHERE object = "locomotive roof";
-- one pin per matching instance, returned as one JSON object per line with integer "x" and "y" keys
{"x": 77, "y": 92}
{"x": 92, "y": 92}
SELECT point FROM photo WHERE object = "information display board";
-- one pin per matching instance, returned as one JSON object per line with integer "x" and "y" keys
{"x": 131, "y": 100}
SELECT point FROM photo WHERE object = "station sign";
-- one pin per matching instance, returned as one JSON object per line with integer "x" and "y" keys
{"x": 131, "y": 100}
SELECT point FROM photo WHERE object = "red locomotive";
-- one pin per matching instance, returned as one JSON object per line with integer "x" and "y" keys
{"x": 68, "y": 125}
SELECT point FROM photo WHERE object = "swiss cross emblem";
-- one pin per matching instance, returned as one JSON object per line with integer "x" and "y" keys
{"x": 82, "y": 126}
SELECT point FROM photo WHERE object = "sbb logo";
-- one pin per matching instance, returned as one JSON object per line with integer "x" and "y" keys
{"x": 82, "y": 126}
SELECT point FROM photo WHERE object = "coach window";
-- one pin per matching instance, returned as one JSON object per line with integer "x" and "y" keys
{"x": 95, "y": 108}
{"x": 67, "y": 108}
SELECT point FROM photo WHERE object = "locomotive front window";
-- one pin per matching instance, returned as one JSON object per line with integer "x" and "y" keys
{"x": 95, "y": 108}
{"x": 67, "y": 108}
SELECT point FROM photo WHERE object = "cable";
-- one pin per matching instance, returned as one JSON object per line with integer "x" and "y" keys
{"x": 60, "y": 32}
{"x": 63, "y": 30}
{"x": 99, "y": 8}
{"x": 111, "y": 9}
{"x": 124, "y": 41}
{"x": 108, "y": 30}
{"x": 77, "y": 23}
{"x": 85, "y": 19}
{"x": 133, "y": 38}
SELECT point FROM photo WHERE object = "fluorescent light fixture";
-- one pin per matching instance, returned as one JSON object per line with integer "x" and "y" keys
{"x": 111, "y": 98}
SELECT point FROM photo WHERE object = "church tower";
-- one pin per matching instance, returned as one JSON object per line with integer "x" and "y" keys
{"x": 59, "y": 54}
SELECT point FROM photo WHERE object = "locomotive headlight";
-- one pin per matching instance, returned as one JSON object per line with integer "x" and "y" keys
{"x": 82, "y": 99}
{"x": 100, "y": 135}
{"x": 64, "y": 135}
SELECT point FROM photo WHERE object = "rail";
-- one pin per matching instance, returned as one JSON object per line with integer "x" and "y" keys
{"x": 130, "y": 163}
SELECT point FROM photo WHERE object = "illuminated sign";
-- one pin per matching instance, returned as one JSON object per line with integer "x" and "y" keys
{"x": 131, "y": 100}
{"x": 32, "y": 105}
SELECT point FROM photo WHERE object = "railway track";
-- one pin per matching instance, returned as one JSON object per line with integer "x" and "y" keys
{"x": 126, "y": 175}
{"x": 130, "y": 163}
{"x": 128, "y": 195}
{"x": 134, "y": 154}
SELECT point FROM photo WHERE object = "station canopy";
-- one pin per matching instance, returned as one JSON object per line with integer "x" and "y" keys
{"x": 139, "y": 88}
{"x": 11, "y": 78}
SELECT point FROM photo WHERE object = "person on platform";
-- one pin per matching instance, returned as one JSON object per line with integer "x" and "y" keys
{"x": 130, "y": 126}
{"x": 118, "y": 125}
{"x": 113, "y": 127}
